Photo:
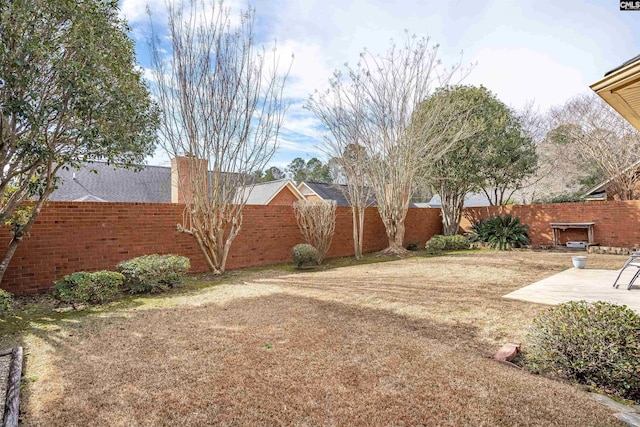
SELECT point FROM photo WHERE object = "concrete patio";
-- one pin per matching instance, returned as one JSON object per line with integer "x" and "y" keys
{"x": 582, "y": 284}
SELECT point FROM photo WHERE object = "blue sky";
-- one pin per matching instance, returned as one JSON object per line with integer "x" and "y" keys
{"x": 545, "y": 50}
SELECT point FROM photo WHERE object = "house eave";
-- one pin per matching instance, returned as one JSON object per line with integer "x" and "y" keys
{"x": 300, "y": 189}
{"x": 291, "y": 186}
{"x": 621, "y": 90}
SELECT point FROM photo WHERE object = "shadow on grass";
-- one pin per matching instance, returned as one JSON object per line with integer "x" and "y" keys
{"x": 323, "y": 357}
{"x": 42, "y": 312}
{"x": 368, "y": 258}
{"x": 65, "y": 332}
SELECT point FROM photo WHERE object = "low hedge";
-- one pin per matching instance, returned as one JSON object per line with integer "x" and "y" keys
{"x": 88, "y": 288}
{"x": 153, "y": 273}
{"x": 597, "y": 344}
{"x": 440, "y": 243}
{"x": 304, "y": 253}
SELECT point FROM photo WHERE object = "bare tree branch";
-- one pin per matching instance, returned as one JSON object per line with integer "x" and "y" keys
{"x": 372, "y": 105}
{"x": 317, "y": 221}
{"x": 222, "y": 105}
{"x": 603, "y": 139}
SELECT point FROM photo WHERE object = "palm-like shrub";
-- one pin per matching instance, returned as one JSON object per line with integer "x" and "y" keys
{"x": 500, "y": 232}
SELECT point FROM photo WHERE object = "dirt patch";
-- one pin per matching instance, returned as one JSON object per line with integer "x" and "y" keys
{"x": 397, "y": 343}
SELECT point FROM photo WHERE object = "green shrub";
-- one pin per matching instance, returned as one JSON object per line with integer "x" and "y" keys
{"x": 153, "y": 273}
{"x": 562, "y": 198}
{"x": 88, "y": 288}
{"x": 6, "y": 301}
{"x": 597, "y": 344}
{"x": 447, "y": 243}
{"x": 501, "y": 233}
{"x": 106, "y": 285}
{"x": 304, "y": 253}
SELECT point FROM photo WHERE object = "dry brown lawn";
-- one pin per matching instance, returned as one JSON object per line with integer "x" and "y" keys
{"x": 397, "y": 343}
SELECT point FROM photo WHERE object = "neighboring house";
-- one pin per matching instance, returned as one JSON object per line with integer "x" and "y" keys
{"x": 280, "y": 192}
{"x": 336, "y": 192}
{"x": 620, "y": 88}
{"x": 471, "y": 200}
{"x": 603, "y": 190}
{"x": 100, "y": 182}
{"x": 322, "y": 191}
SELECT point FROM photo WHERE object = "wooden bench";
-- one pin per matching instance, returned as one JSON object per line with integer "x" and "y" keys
{"x": 556, "y": 227}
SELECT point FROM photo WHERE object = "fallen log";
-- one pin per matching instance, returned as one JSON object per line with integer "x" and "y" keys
{"x": 12, "y": 402}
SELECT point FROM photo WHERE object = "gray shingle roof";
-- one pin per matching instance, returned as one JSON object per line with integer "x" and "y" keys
{"x": 152, "y": 184}
{"x": 263, "y": 192}
{"x": 619, "y": 67}
{"x": 336, "y": 192}
{"x": 470, "y": 200}
{"x": 329, "y": 192}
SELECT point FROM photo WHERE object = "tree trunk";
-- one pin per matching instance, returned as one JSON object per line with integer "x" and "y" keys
{"x": 452, "y": 203}
{"x": 8, "y": 254}
{"x": 361, "y": 230}
{"x": 395, "y": 234}
{"x": 355, "y": 217}
{"x": 17, "y": 238}
{"x": 235, "y": 230}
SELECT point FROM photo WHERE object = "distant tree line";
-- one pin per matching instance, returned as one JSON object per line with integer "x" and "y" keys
{"x": 299, "y": 170}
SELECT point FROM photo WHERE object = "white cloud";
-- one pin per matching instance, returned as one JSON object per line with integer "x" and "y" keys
{"x": 135, "y": 11}
{"x": 517, "y": 76}
{"x": 547, "y": 50}
{"x": 309, "y": 70}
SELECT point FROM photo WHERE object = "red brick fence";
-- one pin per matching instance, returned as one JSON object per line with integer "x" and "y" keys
{"x": 71, "y": 236}
{"x": 617, "y": 222}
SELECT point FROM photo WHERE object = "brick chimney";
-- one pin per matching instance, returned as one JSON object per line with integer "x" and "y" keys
{"x": 183, "y": 171}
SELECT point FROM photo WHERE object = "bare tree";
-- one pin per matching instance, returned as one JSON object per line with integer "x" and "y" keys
{"x": 603, "y": 139}
{"x": 561, "y": 171}
{"x": 222, "y": 105}
{"x": 342, "y": 144}
{"x": 373, "y": 106}
{"x": 317, "y": 221}
{"x": 356, "y": 190}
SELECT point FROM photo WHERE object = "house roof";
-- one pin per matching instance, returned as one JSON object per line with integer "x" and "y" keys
{"x": 333, "y": 192}
{"x": 620, "y": 88}
{"x": 325, "y": 191}
{"x": 264, "y": 192}
{"x": 471, "y": 200}
{"x": 152, "y": 184}
{"x": 624, "y": 64}
{"x": 596, "y": 191}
